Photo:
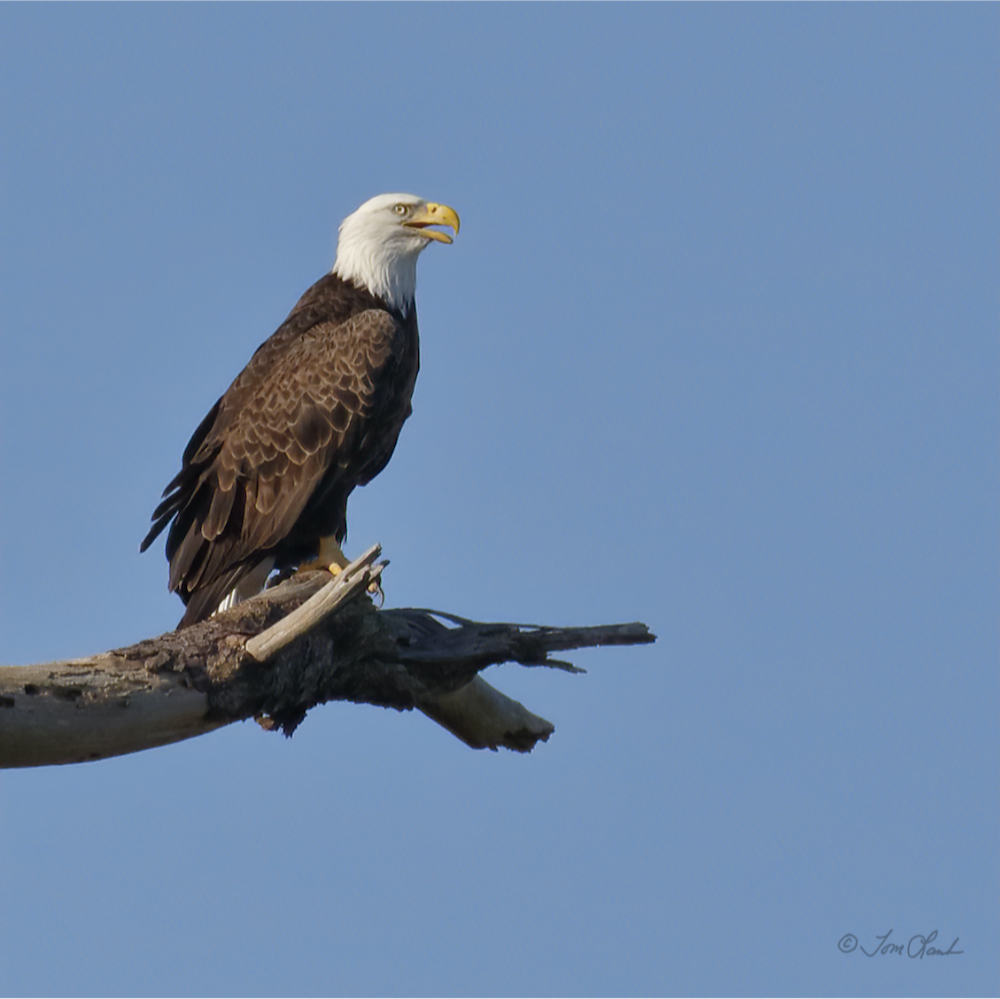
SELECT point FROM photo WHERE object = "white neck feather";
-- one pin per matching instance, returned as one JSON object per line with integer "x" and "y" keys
{"x": 387, "y": 270}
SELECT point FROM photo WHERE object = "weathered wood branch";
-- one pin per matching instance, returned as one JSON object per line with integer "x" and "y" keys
{"x": 305, "y": 642}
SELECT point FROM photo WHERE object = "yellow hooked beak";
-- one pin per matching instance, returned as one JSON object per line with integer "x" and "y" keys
{"x": 434, "y": 214}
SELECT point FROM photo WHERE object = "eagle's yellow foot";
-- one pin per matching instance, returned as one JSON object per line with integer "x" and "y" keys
{"x": 332, "y": 558}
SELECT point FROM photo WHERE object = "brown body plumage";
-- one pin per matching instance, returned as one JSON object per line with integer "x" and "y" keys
{"x": 316, "y": 412}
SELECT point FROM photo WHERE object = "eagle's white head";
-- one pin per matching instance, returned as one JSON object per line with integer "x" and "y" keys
{"x": 380, "y": 242}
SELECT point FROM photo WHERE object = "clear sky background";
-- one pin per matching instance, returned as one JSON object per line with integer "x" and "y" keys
{"x": 716, "y": 349}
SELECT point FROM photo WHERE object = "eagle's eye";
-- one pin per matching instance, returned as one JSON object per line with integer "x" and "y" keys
{"x": 400, "y": 209}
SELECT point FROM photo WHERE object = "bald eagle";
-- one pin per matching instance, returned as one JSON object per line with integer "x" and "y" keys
{"x": 266, "y": 476}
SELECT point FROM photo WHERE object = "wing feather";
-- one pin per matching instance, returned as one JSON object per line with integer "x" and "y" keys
{"x": 316, "y": 412}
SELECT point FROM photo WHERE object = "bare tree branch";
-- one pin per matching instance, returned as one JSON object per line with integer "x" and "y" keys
{"x": 305, "y": 642}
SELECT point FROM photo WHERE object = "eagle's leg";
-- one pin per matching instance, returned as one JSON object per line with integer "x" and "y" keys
{"x": 332, "y": 558}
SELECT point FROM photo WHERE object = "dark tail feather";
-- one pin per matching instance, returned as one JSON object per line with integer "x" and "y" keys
{"x": 204, "y": 601}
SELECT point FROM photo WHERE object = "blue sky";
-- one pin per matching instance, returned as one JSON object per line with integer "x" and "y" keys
{"x": 716, "y": 349}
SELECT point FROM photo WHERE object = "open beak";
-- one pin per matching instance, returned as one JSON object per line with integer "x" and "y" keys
{"x": 434, "y": 214}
